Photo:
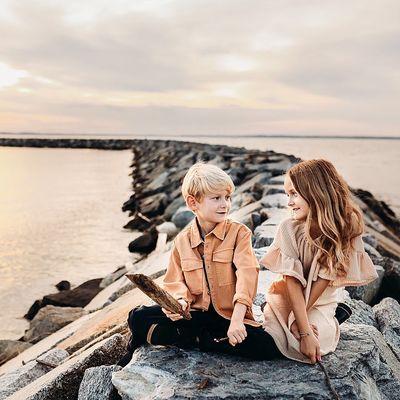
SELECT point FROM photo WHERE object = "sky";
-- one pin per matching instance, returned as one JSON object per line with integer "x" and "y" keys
{"x": 224, "y": 67}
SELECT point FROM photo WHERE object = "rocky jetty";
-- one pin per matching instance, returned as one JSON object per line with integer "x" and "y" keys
{"x": 77, "y": 361}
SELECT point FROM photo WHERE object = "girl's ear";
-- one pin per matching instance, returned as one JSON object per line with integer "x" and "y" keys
{"x": 191, "y": 203}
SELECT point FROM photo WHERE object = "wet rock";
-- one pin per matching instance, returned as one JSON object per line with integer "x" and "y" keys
{"x": 77, "y": 297}
{"x": 182, "y": 217}
{"x": 110, "y": 278}
{"x": 139, "y": 222}
{"x": 145, "y": 243}
{"x": 11, "y": 348}
{"x": 19, "y": 378}
{"x": 96, "y": 384}
{"x": 387, "y": 314}
{"x": 62, "y": 383}
{"x": 169, "y": 228}
{"x": 33, "y": 310}
{"x": 50, "y": 319}
{"x": 63, "y": 285}
{"x": 362, "y": 367}
{"x": 368, "y": 293}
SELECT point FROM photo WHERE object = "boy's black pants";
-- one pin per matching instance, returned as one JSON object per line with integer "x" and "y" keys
{"x": 151, "y": 325}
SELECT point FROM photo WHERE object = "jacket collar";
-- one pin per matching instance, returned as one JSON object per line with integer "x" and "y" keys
{"x": 195, "y": 237}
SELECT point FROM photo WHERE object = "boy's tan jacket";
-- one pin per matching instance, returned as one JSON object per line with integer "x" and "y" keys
{"x": 229, "y": 262}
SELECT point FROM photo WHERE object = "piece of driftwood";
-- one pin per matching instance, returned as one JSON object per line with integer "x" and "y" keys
{"x": 157, "y": 294}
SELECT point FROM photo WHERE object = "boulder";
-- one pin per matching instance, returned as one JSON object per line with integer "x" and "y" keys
{"x": 145, "y": 243}
{"x": 110, "y": 278}
{"x": 62, "y": 383}
{"x": 154, "y": 205}
{"x": 139, "y": 222}
{"x": 50, "y": 319}
{"x": 387, "y": 315}
{"x": 169, "y": 228}
{"x": 182, "y": 217}
{"x": 173, "y": 207}
{"x": 264, "y": 235}
{"x": 362, "y": 367}
{"x": 77, "y": 297}
{"x": 63, "y": 285}
{"x": 11, "y": 348}
{"x": 96, "y": 384}
{"x": 33, "y": 310}
{"x": 19, "y": 378}
{"x": 367, "y": 293}
{"x": 361, "y": 313}
{"x": 277, "y": 200}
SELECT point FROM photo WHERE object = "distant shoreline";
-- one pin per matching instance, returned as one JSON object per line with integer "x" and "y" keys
{"x": 3, "y": 135}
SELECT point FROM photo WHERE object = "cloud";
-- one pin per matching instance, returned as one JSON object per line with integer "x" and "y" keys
{"x": 201, "y": 66}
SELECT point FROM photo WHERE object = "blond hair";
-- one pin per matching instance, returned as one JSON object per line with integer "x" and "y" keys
{"x": 338, "y": 218}
{"x": 202, "y": 179}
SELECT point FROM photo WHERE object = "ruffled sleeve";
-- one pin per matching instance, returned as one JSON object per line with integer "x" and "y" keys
{"x": 361, "y": 268}
{"x": 282, "y": 257}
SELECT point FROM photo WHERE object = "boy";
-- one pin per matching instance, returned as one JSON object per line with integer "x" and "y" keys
{"x": 213, "y": 271}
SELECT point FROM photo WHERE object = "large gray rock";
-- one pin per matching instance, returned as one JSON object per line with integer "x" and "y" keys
{"x": 50, "y": 319}
{"x": 11, "y": 348}
{"x": 62, "y": 383}
{"x": 387, "y": 314}
{"x": 362, "y": 367}
{"x": 96, "y": 384}
{"x": 278, "y": 200}
{"x": 361, "y": 313}
{"x": 19, "y": 378}
{"x": 169, "y": 228}
{"x": 182, "y": 217}
{"x": 368, "y": 293}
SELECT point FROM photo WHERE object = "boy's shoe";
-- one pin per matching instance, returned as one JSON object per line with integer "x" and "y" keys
{"x": 343, "y": 312}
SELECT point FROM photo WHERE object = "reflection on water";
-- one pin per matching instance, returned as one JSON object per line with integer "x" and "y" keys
{"x": 60, "y": 219}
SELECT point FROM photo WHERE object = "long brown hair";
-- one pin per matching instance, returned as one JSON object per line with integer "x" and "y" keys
{"x": 332, "y": 211}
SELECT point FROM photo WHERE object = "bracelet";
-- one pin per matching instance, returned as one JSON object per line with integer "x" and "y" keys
{"x": 304, "y": 334}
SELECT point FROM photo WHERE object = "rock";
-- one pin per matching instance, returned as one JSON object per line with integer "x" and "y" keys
{"x": 264, "y": 235}
{"x": 387, "y": 315}
{"x": 33, "y": 310}
{"x": 110, "y": 278}
{"x": 182, "y": 217}
{"x": 152, "y": 206}
{"x": 169, "y": 228}
{"x": 362, "y": 367}
{"x": 50, "y": 319}
{"x": 391, "y": 279}
{"x": 277, "y": 180}
{"x": 173, "y": 207}
{"x": 77, "y": 297}
{"x": 63, "y": 285}
{"x": 260, "y": 253}
{"x": 62, "y": 383}
{"x": 372, "y": 252}
{"x": 361, "y": 313}
{"x": 371, "y": 240}
{"x": 19, "y": 378}
{"x": 260, "y": 178}
{"x": 145, "y": 243}
{"x": 96, "y": 384}
{"x": 11, "y": 348}
{"x": 368, "y": 293}
{"x": 277, "y": 200}
{"x": 139, "y": 222}
{"x": 159, "y": 181}
{"x": 130, "y": 204}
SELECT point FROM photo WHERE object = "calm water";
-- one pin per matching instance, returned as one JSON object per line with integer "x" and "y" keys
{"x": 60, "y": 219}
{"x": 61, "y": 212}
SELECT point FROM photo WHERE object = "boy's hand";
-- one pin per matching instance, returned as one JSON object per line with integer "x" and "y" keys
{"x": 236, "y": 332}
{"x": 176, "y": 317}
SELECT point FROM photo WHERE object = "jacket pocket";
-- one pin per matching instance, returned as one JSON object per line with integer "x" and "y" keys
{"x": 223, "y": 261}
{"x": 193, "y": 272}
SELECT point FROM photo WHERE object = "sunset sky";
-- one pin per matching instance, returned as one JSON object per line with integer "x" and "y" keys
{"x": 151, "y": 67}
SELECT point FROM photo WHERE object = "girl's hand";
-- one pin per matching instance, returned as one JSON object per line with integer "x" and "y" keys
{"x": 176, "y": 317}
{"x": 295, "y": 330}
{"x": 309, "y": 346}
{"x": 236, "y": 332}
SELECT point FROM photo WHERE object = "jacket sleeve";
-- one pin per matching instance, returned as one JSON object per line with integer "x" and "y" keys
{"x": 174, "y": 281}
{"x": 246, "y": 269}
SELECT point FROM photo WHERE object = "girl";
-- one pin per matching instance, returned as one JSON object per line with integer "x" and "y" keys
{"x": 316, "y": 252}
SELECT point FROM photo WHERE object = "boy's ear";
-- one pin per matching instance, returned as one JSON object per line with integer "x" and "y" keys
{"x": 191, "y": 202}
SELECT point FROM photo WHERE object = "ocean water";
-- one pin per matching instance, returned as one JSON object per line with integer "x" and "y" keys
{"x": 61, "y": 212}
